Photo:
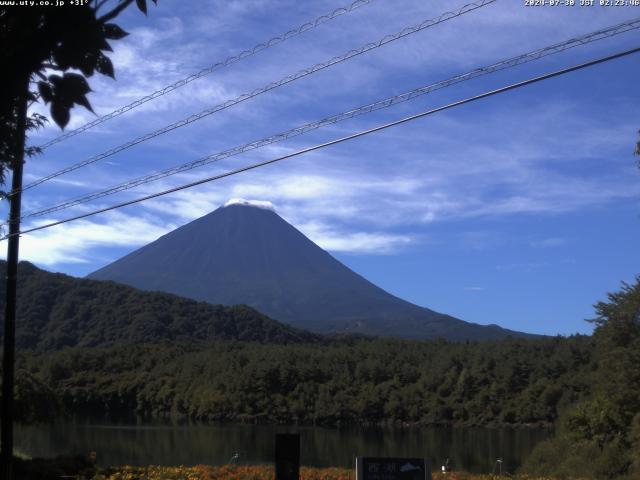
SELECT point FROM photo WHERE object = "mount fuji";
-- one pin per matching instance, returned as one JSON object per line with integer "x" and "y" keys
{"x": 245, "y": 253}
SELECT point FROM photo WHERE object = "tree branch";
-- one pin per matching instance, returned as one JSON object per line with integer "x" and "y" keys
{"x": 115, "y": 12}
{"x": 99, "y": 4}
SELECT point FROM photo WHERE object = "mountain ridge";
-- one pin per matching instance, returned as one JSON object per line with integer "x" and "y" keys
{"x": 57, "y": 311}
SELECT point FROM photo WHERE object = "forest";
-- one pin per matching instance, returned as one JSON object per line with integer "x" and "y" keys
{"x": 371, "y": 381}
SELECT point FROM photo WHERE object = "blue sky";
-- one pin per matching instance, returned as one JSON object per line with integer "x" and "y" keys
{"x": 520, "y": 210}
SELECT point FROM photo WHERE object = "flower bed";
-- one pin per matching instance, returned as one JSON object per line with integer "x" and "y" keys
{"x": 258, "y": 472}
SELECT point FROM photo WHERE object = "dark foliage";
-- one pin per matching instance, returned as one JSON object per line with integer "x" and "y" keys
{"x": 510, "y": 382}
{"x": 57, "y": 311}
{"x": 63, "y": 466}
{"x": 37, "y": 41}
{"x": 35, "y": 402}
{"x": 600, "y": 436}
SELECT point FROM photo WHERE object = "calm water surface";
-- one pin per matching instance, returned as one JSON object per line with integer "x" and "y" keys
{"x": 472, "y": 449}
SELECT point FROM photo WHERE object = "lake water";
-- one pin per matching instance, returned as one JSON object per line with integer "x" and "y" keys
{"x": 471, "y": 449}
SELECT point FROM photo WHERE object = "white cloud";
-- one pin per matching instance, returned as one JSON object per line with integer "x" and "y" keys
{"x": 263, "y": 204}
{"x": 76, "y": 242}
{"x": 376, "y": 243}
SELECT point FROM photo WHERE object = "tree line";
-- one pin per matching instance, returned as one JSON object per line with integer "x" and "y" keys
{"x": 343, "y": 381}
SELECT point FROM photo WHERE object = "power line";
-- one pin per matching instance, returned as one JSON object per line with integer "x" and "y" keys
{"x": 246, "y": 96}
{"x": 210, "y": 69}
{"x": 378, "y": 105}
{"x": 336, "y": 141}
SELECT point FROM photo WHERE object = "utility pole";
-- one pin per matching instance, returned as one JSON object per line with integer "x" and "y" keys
{"x": 8, "y": 357}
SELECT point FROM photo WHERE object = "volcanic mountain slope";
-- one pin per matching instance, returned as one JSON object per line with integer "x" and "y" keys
{"x": 57, "y": 311}
{"x": 246, "y": 254}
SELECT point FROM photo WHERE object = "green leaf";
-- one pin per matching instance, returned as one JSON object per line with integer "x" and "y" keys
{"x": 104, "y": 45}
{"x": 60, "y": 113}
{"x": 142, "y": 5}
{"x": 66, "y": 91}
{"x": 104, "y": 66}
{"x": 65, "y": 56}
{"x": 82, "y": 100}
{"x": 113, "y": 31}
{"x": 76, "y": 83}
{"x": 55, "y": 79}
{"x": 87, "y": 65}
{"x": 45, "y": 91}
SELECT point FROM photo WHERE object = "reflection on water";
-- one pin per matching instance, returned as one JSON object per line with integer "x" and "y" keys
{"x": 472, "y": 449}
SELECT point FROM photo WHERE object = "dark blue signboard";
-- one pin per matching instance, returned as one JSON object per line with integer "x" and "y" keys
{"x": 382, "y": 468}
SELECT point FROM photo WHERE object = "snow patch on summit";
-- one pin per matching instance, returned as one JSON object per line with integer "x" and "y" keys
{"x": 264, "y": 204}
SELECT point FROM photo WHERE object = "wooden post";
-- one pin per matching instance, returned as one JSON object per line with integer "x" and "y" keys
{"x": 8, "y": 354}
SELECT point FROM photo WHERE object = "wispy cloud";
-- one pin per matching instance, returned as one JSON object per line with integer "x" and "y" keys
{"x": 376, "y": 243}
{"x": 473, "y": 289}
{"x": 77, "y": 242}
{"x": 522, "y": 266}
{"x": 548, "y": 242}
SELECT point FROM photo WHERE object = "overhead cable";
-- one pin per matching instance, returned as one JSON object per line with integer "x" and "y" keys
{"x": 210, "y": 69}
{"x": 271, "y": 86}
{"x": 378, "y": 105}
{"x": 334, "y": 142}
